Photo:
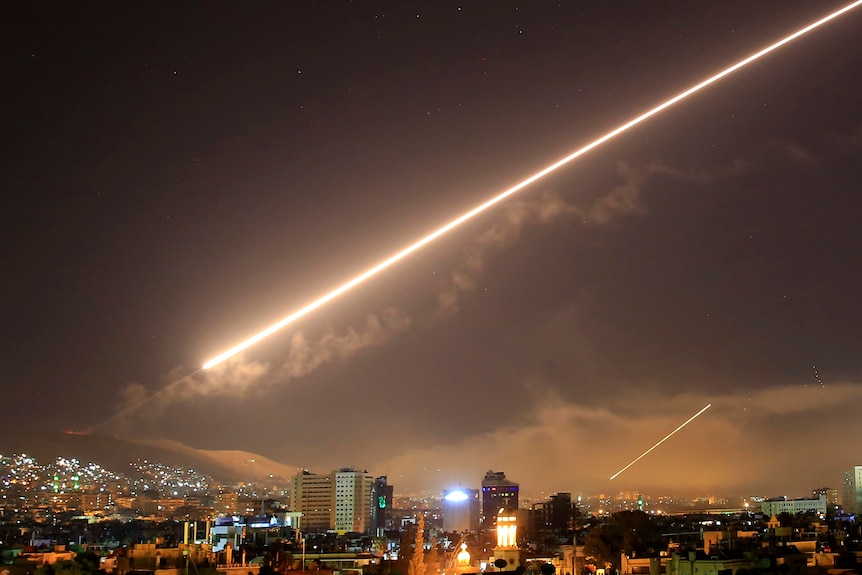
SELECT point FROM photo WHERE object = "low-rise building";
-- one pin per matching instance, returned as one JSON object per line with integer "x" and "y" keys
{"x": 775, "y": 506}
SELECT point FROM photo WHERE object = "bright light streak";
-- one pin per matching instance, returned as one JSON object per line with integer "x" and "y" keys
{"x": 665, "y": 438}
{"x": 516, "y": 188}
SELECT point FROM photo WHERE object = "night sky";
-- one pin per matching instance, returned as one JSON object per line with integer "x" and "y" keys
{"x": 178, "y": 176}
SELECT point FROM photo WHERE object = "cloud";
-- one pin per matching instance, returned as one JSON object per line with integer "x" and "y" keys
{"x": 623, "y": 199}
{"x": 791, "y": 401}
{"x": 133, "y": 393}
{"x": 232, "y": 378}
{"x": 239, "y": 377}
{"x": 304, "y": 355}
{"x": 745, "y": 444}
{"x": 503, "y": 232}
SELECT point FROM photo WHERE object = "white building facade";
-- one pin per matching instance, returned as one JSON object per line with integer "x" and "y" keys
{"x": 772, "y": 507}
{"x": 354, "y": 501}
{"x": 851, "y": 495}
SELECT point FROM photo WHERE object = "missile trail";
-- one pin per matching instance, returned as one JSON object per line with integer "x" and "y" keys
{"x": 517, "y": 187}
{"x": 665, "y": 438}
{"x": 135, "y": 406}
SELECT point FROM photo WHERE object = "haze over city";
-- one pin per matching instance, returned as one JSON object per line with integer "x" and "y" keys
{"x": 178, "y": 177}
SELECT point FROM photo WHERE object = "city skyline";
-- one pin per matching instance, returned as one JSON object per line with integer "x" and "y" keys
{"x": 350, "y": 500}
{"x": 181, "y": 176}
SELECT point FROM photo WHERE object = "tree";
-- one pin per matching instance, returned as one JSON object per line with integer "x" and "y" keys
{"x": 639, "y": 535}
{"x": 86, "y": 563}
{"x": 603, "y": 545}
{"x": 417, "y": 562}
{"x": 380, "y": 545}
{"x": 629, "y": 532}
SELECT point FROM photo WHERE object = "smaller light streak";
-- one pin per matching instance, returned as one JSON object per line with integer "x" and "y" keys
{"x": 817, "y": 376}
{"x": 665, "y": 438}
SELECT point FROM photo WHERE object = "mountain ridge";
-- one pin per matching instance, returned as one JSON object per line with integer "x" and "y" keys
{"x": 116, "y": 453}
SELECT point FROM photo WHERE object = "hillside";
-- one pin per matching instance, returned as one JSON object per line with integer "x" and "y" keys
{"x": 115, "y": 453}
{"x": 242, "y": 464}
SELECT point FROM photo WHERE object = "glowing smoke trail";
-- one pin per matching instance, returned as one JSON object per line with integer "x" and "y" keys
{"x": 516, "y": 188}
{"x": 138, "y": 404}
{"x": 665, "y": 438}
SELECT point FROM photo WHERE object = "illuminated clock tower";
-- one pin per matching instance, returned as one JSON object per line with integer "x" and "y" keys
{"x": 507, "y": 540}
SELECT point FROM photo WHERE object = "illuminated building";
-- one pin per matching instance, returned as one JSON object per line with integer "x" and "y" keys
{"x": 775, "y": 506}
{"x": 507, "y": 540}
{"x": 830, "y": 494}
{"x": 312, "y": 495}
{"x": 227, "y": 503}
{"x": 555, "y": 515}
{"x": 383, "y": 493}
{"x": 461, "y": 510}
{"x": 96, "y": 502}
{"x": 462, "y": 560}
{"x": 342, "y": 500}
{"x": 354, "y": 501}
{"x": 851, "y": 499}
{"x": 497, "y": 492}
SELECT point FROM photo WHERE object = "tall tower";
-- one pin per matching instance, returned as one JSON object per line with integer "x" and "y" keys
{"x": 497, "y": 493}
{"x": 342, "y": 500}
{"x": 313, "y": 495}
{"x": 383, "y": 493}
{"x": 851, "y": 499}
{"x": 461, "y": 510}
{"x": 562, "y": 512}
{"x": 507, "y": 540}
{"x": 354, "y": 501}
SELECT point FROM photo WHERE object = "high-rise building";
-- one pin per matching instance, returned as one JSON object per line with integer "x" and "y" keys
{"x": 461, "y": 510}
{"x": 829, "y": 493}
{"x": 342, "y": 500}
{"x": 851, "y": 495}
{"x": 313, "y": 495}
{"x": 555, "y": 515}
{"x": 354, "y": 501}
{"x": 497, "y": 493}
{"x": 383, "y": 493}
